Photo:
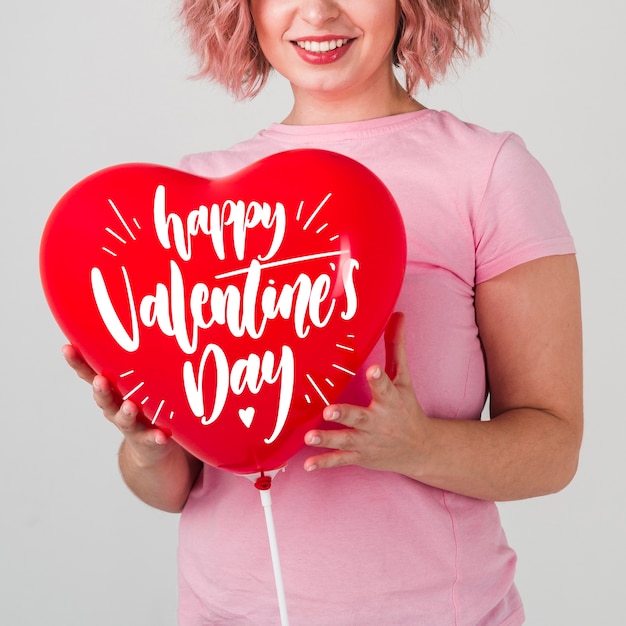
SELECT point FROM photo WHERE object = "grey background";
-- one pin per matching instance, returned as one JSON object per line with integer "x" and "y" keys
{"x": 87, "y": 85}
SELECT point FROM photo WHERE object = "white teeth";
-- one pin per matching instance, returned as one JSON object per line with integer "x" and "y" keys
{"x": 321, "y": 46}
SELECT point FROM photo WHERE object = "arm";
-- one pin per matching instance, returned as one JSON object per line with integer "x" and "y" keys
{"x": 529, "y": 323}
{"x": 155, "y": 467}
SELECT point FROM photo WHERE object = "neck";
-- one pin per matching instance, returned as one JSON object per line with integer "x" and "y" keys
{"x": 314, "y": 108}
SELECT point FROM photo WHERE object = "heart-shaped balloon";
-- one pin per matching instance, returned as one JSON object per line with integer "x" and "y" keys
{"x": 230, "y": 310}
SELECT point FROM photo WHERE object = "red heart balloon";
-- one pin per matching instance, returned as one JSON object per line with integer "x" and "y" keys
{"x": 230, "y": 310}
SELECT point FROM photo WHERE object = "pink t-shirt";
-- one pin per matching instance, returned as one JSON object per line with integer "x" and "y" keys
{"x": 360, "y": 546}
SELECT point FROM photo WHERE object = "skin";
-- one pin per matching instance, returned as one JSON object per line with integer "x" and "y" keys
{"x": 154, "y": 466}
{"x": 361, "y": 85}
{"x": 528, "y": 319}
{"x": 529, "y": 323}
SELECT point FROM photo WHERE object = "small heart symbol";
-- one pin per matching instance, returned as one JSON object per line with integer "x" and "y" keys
{"x": 246, "y": 416}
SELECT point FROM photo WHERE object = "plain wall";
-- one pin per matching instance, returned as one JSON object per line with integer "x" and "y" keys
{"x": 87, "y": 85}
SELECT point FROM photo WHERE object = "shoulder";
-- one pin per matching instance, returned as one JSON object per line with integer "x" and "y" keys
{"x": 463, "y": 153}
{"x": 472, "y": 141}
{"x": 490, "y": 160}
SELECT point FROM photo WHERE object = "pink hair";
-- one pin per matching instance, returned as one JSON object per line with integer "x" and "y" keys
{"x": 432, "y": 34}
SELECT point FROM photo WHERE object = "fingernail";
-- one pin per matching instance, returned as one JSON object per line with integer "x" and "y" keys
{"x": 311, "y": 468}
{"x": 377, "y": 373}
{"x": 333, "y": 416}
{"x": 125, "y": 409}
{"x": 313, "y": 441}
{"x": 96, "y": 386}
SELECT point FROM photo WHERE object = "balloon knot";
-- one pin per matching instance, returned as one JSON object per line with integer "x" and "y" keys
{"x": 263, "y": 482}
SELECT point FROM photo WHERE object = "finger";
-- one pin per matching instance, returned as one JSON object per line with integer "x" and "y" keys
{"x": 383, "y": 389}
{"x": 108, "y": 400}
{"x": 127, "y": 418}
{"x": 347, "y": 414}
{"x": 336, "y": 458}
{"x": 396, "y": 364}
{"x": 345, "y": 439}
{"x": 75, "y": 360}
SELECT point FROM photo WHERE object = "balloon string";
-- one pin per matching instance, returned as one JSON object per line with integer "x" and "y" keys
{"x": 266, "y": 501}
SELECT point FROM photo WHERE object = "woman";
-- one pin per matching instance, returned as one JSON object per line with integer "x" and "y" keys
{"x": 389, "y": 518}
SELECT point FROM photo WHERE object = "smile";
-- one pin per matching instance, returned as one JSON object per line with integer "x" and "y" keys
{"x": 321, "y": 46}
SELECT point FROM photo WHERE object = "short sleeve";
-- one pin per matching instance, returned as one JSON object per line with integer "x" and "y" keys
{"x": 519, "y": 218}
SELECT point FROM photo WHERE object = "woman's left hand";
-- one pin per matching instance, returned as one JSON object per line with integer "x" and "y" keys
{"x": 530, "y": 328}
{"x": 391, "y": 433}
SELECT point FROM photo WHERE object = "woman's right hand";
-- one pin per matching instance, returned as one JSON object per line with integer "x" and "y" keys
{"x": 155, "y": 468}
{"x": 146, "y": 444}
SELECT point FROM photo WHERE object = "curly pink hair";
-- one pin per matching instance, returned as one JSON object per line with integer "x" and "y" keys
{"x": 432, "y": 34}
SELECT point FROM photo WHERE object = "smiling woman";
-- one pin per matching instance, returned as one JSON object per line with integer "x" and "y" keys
{"x": 355, "y": 79}
{"x": 388, "y": 515}
{"x": 428, "y": 36}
